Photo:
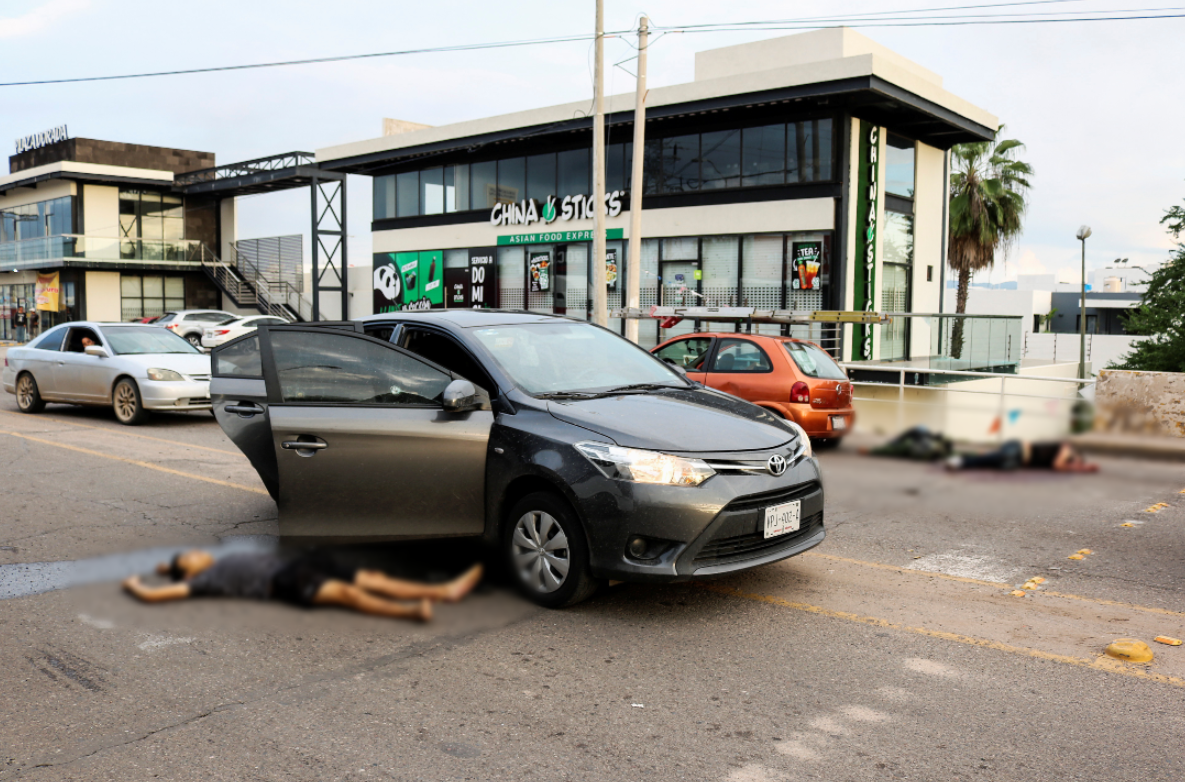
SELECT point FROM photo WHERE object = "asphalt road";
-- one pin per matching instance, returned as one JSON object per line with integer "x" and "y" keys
{"x": 894, "y": 651}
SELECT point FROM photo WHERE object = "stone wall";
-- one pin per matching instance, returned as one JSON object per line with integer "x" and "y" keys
{"x": 1140, "y": 402}
{"x": 113, "y": 153}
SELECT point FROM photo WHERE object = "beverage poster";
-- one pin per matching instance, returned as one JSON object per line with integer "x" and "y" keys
{"x": 807, "y": 258}
{"x": 540, "y": 272}
{"x": 611, "y": 268}
{"x": 408, "y": 281}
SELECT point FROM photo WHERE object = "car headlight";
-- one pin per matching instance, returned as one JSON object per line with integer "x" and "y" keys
{"x": 633, "y": 464}
{"x": 804, "y": 442}
{"x": 164, "y": 374}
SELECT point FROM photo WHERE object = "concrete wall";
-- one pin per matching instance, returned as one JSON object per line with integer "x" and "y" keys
{"x": 996, "y": 301}
{"x": 45, "y": 191}
{"x": 103, "y": 296}
{"x": 113, "y": 153}
{"x": 100, "y": 218}
{"x": 228, "y": 228}
{"x": 1140, "y": 403}
{"x": 929, "y": 196}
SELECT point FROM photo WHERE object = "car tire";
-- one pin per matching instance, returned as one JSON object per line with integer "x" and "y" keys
{"x": 536, "y": 563}
{"x": 195, "y": 340}
{"x": 28, "y": 396}
{"x": 127, "y": 404}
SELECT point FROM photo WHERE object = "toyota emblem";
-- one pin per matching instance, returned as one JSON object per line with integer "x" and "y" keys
{"x": 776, "y": 465}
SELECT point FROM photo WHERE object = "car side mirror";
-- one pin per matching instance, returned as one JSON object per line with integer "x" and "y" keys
{"x": 97, "y": 350}
{"x": 461, "y": 396}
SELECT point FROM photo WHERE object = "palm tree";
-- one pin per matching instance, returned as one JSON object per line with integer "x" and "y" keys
{"x": 987, "y": 207}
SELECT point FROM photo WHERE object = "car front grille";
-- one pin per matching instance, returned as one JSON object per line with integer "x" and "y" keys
{"x": 775, "y": 497}
{"x": 737, "y": 548}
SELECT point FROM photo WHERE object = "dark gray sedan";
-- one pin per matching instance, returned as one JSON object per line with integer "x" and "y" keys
{"x": 578, "y": 454}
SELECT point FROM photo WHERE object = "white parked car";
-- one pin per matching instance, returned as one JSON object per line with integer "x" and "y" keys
{"x": 191, "y": 323}
{"x": 131, "y": 367}
{"x": 213, "y": 336}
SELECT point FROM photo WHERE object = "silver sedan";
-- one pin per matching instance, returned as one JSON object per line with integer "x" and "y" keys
{"x": 131, "y": 367}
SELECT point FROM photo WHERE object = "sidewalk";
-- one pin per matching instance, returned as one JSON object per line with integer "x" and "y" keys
{"x": 1167, "y": 449}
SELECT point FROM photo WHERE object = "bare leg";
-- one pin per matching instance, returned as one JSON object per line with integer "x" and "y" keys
{"x": 380, "y": 583}
{"x": 339, "y": 593}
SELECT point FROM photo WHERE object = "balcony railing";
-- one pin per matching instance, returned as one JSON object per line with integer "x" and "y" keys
{"x": 45, "y": 250}
{"x": 947, "y": 342}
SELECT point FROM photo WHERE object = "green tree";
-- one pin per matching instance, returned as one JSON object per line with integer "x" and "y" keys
{"x": 1161, "y": 314}
{"x": 988, "y": 188}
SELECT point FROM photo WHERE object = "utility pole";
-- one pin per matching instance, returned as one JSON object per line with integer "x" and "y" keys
{"x": 633, "y": 263}
{"x": 1083, "y": 235}
{"x": 600, "y": 295}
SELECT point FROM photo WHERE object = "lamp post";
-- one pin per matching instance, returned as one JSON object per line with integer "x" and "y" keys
{"x": 1083, "y": 235}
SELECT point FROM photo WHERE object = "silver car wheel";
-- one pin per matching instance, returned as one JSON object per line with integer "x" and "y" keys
{"x": 24, "y": 392}
{"x": 541, "y": 553}
{"x": 125, "y": 402}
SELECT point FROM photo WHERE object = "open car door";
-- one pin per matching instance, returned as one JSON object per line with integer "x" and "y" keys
{"x": 350, "y": 434}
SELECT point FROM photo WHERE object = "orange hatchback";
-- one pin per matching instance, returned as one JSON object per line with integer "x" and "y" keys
{"x": 794, "y": 378}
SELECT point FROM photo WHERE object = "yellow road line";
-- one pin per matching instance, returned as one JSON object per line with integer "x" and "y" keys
{"x": 1098, "y": 664}
{"x": 132, "y": 434}
{"x": 996, "y": 584}
{"x": 139, "y": 463}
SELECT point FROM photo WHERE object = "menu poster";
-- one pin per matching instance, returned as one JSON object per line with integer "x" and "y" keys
{"x": 807, "y": 257}
{"x": 456, "y": 287}
{"x": 540, "y": 272}
{"x": 611, "y": 268}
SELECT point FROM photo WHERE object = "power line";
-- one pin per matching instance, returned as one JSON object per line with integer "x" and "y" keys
{"x": 922, "y": 23}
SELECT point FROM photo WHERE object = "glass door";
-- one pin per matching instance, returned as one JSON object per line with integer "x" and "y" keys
{"x": 895, "y": 298}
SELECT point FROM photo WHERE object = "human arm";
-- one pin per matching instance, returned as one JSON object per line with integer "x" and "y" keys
{"x": 178, "y": 591}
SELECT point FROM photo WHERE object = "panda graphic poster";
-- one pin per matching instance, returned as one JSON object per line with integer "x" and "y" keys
{"x": 408, "y": 281}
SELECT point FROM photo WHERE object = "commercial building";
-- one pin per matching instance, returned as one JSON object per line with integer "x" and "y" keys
{"x": 111, "y": 231}
{"x": 805, "y": 172}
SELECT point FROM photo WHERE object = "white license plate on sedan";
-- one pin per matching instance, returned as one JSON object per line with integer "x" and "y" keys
{"x": 839, "y": 422}
{"x": 781, "y": 519}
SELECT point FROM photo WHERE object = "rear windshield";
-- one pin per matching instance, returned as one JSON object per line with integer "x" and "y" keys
{"x": 813, "y": 362}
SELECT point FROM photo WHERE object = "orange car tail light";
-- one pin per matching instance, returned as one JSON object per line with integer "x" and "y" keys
{"x": 800, "y": 392}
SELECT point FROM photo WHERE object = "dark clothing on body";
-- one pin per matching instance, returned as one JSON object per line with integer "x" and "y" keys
{"x": 1010, "y": 456}
{"x": 19, "y": 320}
{"x": 268, "y": 576}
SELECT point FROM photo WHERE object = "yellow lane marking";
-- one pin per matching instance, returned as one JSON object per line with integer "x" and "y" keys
{"x": 138, "y": 463}
{"x": 1099, "y": 664}
{"x": 132, "y": 434}
{"x": 996, "y": 584}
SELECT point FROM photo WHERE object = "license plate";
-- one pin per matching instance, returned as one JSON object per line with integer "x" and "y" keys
{"x": 839, "y": 422}
{"x": 781, "y": 519}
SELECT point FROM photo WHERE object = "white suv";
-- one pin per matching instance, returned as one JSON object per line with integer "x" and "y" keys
{"x": 191, "y": 323}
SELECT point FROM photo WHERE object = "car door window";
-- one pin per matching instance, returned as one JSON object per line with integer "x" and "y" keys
{"x": 337, "y": 368}
{"x": 740, "y": 355}
{"x": 51, "y": 341}
{"x": 382, "y": 333}
{"x": 686, "y": 353}
{"x": 74, "y": 344}
{"x": 443, "y": 350}
{"x": 239, "y": 359}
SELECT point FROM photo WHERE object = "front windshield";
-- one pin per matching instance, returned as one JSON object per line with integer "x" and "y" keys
{"x": 558, "y": 357}
{"x": 814, "y": 362}
{"x": 133, "y": 341}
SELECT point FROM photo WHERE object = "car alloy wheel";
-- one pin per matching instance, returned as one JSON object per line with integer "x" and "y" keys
{"x": 126, "y": 403}
{"x": 28, "y": 398}
{"x": 195, "y": 340}
{"x": 541, "y": 553}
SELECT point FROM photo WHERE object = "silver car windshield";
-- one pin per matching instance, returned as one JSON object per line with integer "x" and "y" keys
{"x": 135, "y": 341}
{"x": 548, "y": 358}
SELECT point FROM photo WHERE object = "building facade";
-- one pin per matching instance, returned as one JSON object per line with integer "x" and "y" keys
{"x": 807, "y": 172}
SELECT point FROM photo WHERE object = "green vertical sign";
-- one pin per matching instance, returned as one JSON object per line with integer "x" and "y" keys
{"x": 867, "y": 196}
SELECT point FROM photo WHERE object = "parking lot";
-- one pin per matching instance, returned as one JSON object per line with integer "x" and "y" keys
{"x": 895, "y": 650}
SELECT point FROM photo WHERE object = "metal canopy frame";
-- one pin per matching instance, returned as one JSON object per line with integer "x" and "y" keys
{"x": 287, "y": 171}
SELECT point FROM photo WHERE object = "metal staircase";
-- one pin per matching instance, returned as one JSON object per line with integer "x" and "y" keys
{"x": 248, "y": 285}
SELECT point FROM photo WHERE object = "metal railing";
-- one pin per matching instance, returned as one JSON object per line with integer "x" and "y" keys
{"x": 904, "y": 382}
{"x": 247, "y": 167}
{"x": 248, "y": 287}
{"x": 36, "y": 252}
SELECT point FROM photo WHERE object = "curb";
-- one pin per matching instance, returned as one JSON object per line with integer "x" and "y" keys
{"x": 1165, "y": 449}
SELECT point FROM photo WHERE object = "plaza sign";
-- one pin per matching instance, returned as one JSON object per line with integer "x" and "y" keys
{"x": 577, "y": 207}
{"x": 42, "y": 139}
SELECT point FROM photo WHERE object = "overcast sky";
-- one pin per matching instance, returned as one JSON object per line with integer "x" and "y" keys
{"x": 1097, "y": 103}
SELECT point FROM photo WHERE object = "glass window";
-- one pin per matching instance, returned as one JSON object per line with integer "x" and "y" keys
{"x": 627, "y": 174}
{"x": 809, "y": 151}
{"x": 339, "y": 368}
{"x": 764, "y": 155}
{"x": 680, "y": 164}
{"x": 685, "y": 248}
{"x": 129, "y": 286}
{"x": 541, "y": 177}
{"x": 384, "y": 197}
{"x": 155, "y": 287}
{"x": 813, "y": 361}
{"x": 740, "y": 355}
{"x": 175, "y": 287}
{"x": 456, "y": 188}
{"x": 483, "y": 184}
{"x": 574, "y": 168}
{"x": 898, "y": 242}
{"x": 686, "y": 353}
{"x": 52, "y": 339}
{"x": 899, "y": 166}
{"x": 512, "y": 179}
{"x": 720, "y": 159}
{"x": 761, "y": 285}
{"x": 239, "y": 359}
{"x": 719, "y": 270}
{"x": 456, "y": 259}
{"x": 432, "y": 191}
{"x": 615, "y": 165}
{"x": 407, "y": 194}
{"x": 651, "y": 166}
{"x": 74, "y": 343}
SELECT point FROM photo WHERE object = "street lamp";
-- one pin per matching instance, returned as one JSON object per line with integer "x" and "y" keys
{"x": 1083, "y": 235}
